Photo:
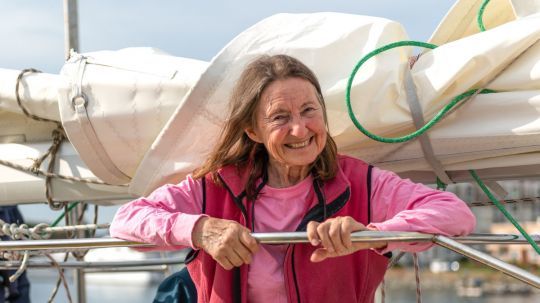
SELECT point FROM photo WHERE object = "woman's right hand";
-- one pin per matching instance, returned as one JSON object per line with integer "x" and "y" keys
{"x": 228, "y": 242}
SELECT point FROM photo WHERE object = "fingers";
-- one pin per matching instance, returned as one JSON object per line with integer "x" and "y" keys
{"x": 312, "y": 233}
{"x": 230, "y": 258}
{"x": 366, "y": 245}
{"x": 244, "y": 252}
{"x": 335, "y": 236}
{"x": 347, "y": 228}
{"x": 248, "y": 241}
{"x": 324, "y": 235}
{"x": 228, "y": 242}
{"x": 235, "y": 258}
{"x": 224, "y": 262}
{"x": 321, "y": 254}
{"x": 335, "y": 233}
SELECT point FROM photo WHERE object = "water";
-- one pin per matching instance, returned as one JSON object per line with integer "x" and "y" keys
{"x": 43, "y": 282}
{"x": 449, "y": 296}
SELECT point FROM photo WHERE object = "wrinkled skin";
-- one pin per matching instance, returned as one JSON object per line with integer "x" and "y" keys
{"x": 334, "y": 235}
{"x": 228, "y": 242}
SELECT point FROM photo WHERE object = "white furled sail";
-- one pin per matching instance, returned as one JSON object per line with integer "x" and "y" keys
{"x": 116, "y": 103}
{"x": 498, "y": 132}
{"x": 145, "y": 118}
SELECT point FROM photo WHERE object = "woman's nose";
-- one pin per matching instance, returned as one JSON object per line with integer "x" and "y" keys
{"x": 298, "y": 127}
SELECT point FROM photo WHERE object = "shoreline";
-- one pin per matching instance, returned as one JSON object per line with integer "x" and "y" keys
{"x": 404, "y": 277}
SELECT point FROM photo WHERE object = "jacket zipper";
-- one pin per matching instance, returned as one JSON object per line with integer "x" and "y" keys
{"x": 294, "y": 275}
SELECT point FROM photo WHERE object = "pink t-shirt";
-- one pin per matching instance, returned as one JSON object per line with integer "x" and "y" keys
{"x": 166, "y": 218}
{"x": 276, "y": 210}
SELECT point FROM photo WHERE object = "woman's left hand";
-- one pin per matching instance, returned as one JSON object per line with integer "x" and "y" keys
{"x": 335, "y": 236}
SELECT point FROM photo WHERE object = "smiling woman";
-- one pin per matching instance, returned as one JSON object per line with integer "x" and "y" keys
{"x": 280, "y": 117}
{"x": 290, "y": 123}
{"x": 275, "y": 168}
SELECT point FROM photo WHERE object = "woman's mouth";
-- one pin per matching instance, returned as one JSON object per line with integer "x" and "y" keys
{"x": 299, "y": 144}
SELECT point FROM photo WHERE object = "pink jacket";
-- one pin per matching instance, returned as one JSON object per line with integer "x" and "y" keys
{"x": 352, "y": 278}
{"x": 164, "y": 219}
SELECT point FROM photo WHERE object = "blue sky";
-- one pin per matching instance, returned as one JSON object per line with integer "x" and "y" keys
{"x": 32, "y": 32}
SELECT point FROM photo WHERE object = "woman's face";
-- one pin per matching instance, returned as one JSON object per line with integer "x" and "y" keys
{"x": 290, "y": 123}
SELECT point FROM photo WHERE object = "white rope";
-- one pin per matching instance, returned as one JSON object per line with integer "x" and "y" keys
{"x": 39, "y": 172}
{"x": 15, "y": 256}
{"x": 392, "y": 262}
{"x": 61, "y": 278}
{"x": 21, "y": 269}
{"x": 42, "y": 230}
{"x": 417, "y": 278}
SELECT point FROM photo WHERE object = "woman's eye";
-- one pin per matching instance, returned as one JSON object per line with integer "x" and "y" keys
{"x": 309, "y": 110}
{"x": 279, "y": 118}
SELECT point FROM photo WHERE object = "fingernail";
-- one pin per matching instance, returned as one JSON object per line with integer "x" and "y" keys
{"x": 315, "y": 242}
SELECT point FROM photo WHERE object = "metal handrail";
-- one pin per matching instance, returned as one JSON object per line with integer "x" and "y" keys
{"x": 264, "y": 238}
{"x": 488, "y": 260}
{"x": 301, "y": 237}
{"x": 101, "y": 265}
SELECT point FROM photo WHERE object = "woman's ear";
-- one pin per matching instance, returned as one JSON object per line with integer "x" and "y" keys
{"x": 252, "y": 134}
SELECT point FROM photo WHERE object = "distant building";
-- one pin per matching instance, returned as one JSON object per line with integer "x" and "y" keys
{"x": 522, "y": 202}
{"x": 489, "y": 219}
{"x": 523, "y": 254}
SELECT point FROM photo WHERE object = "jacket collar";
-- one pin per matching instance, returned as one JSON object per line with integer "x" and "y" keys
{"x": 236, "y": 178}
{"x": 338, "y": 185}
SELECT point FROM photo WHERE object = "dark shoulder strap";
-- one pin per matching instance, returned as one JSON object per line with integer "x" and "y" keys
{"x": 203, "y": 207}
{"x": 370, "y": 168}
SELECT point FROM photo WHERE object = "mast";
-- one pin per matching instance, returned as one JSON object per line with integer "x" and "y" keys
{"x": 71, "y": 27}
{"x": 71, "y": 42}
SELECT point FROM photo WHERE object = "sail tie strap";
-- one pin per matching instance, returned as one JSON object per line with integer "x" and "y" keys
{"x": 418, "y": 119}
{"x": 79, "y": 101}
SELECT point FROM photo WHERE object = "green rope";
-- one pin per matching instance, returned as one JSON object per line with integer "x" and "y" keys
{"x": 432, "y": 122}
{"x": 441, "y": 185}
{"x": 481, "y": 14}
{"x": 424, "y": 128}
{"x": 504, "y": 211}
{"x": 70, "y": 207}
{"x": 475, "y": 176}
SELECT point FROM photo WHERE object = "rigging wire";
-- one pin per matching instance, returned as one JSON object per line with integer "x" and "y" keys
{"x": 504, "y": 211}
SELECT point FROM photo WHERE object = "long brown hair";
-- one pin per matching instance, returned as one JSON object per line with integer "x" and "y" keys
{"x": 236, "y": 148}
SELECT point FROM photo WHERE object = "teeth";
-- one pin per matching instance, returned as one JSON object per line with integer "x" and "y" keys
{"x": 299, "y": 145}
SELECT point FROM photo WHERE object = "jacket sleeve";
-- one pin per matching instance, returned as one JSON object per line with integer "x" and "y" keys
{"x": 401, "y": 205}
{"x": 165, "y": 218}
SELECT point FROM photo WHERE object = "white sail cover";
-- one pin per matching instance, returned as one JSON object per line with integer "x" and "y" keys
{"x": 128, "y": 97}
{"x": 146, "y": 118}
{"x": 491, "y": 131}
